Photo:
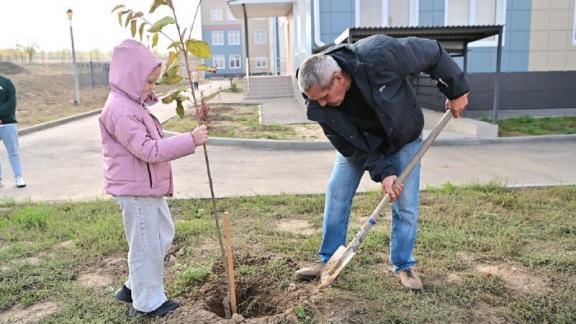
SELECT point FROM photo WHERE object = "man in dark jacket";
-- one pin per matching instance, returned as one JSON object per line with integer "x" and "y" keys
{"x": 8, "y": 129}
{"x": 360, "y": 96}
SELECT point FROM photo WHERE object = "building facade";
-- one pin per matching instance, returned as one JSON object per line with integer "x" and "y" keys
{"x": 539, "y": 35}
{"x": 225, "y": 35}
{"x": 538, "y": 60}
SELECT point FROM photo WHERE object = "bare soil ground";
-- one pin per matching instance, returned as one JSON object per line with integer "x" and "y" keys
{"x": 296, "y": 226}
{"x": 259, "y": 298}
{"x": 21, "y": 314}
{"x": 46, "y": 92}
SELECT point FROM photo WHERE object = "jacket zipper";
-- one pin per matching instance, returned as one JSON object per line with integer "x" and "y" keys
{"x": 156, "y": 122}
{"x": 149, "y": 174}
{"x": 443, "y": 83}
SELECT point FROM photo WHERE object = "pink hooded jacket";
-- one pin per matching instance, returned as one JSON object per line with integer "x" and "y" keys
{"x": 136, "y": 154}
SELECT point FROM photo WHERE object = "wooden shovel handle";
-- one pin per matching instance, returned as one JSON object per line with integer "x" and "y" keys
{"x": 230, "y": 262}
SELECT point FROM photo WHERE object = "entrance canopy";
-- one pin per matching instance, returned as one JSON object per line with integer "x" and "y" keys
{"x": 454, "y": 40}
{"x": 260, "y": 8}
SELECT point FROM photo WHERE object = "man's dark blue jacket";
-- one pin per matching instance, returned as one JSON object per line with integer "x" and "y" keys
{"x": 379, "y": 66}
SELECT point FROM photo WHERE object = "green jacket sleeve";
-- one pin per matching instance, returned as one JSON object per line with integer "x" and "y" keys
{"x": 8, "y": 104}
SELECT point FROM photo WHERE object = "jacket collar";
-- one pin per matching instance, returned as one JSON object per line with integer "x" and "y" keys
{"x": 337, "y": 121}
{"x": 347, "y": 58}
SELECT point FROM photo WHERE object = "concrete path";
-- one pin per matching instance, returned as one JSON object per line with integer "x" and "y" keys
{"x": 283, "y": 111}
{"x": 286, "y": 111}
{"x": 64, "y": 163}
{"x": 274, "y": 111}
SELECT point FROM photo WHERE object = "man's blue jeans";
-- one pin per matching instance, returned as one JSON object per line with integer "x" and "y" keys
{"x": 344, "y": 181}
{"x": 9, "y": 135}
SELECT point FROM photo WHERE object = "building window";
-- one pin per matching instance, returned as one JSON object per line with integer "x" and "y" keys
{"x": 233, "y": 37}
{"x": 235, "y": 61}
{"x": 476, "y": 12}
{"x": 261, "y": 62}
{"x": 216, "y": 14}
{"x": 260, "y": 37}
{"x": 217, "y": 37}
{"x": 218, "y": 61}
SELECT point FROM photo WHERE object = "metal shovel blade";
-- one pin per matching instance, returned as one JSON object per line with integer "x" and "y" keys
{"x": 336, "y": 263}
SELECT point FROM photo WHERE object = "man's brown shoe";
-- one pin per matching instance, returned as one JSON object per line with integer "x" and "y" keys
{"x": 410, "y": 279}
{"x": 309, "y": 273}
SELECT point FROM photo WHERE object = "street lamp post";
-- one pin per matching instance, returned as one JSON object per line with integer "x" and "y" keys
{"x": 76, "y": 81}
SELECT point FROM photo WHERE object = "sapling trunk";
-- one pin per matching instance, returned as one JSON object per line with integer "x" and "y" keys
{"x": 183, "y": 44}
{"x": 201, "y": 117}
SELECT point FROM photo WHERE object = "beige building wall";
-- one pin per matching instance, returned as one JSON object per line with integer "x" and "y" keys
{"x": 398, "y": 12}
{"x": 370, "y": 13}
{"x": 552, "y": 45}
{"x": 220, "y": 6}
{"x": 260, "y": 50}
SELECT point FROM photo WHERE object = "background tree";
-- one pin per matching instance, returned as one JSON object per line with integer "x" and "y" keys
{"x": 29, "y": 50}
{"x": 95, "y": 55}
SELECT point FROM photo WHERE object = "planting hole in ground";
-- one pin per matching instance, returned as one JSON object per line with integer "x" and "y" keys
{"x": 261, "y": 287}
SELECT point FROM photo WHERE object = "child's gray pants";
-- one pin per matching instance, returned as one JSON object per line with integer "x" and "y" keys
{"x": 149, "y": 231}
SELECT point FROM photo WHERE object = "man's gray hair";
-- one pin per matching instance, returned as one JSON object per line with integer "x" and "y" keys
{"x": 317, "y": 70}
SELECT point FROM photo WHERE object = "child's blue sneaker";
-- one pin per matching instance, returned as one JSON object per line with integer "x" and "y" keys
{"x": 164, "y": 309}
{"x": 124, "y": 294}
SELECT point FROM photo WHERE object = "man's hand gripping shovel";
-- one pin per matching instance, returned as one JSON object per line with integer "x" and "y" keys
{"x": 344, "y": 254}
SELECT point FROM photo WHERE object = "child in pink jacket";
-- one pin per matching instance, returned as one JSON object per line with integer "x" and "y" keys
{"x": 137, "y": 173}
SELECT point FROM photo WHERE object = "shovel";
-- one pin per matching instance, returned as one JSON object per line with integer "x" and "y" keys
{"x": 344, "y": 254}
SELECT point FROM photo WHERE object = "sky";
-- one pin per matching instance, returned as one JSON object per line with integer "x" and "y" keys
{"x": 45, "y": 23}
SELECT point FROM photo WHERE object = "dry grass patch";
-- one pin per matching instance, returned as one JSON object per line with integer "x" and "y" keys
{"x": 295, "y": 226}
{"x": 243, "y": 121}
{"x": 32, "y": 314}
{"x": 518, "y": 279}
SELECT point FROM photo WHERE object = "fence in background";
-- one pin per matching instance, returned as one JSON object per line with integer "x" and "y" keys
{"x": 92, "y": 74}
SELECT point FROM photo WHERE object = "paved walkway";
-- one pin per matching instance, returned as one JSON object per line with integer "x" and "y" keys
{"x": 64, "y": 163}
{"x": 275, "y": 111}
{"x": 286, "y": 111}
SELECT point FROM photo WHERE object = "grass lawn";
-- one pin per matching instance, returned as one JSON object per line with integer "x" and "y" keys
{"x": 486, "y": 254}
{"x": 242, "y": 121}
{"x": 524, "y": 126}
{"x": 236, "y": 86}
